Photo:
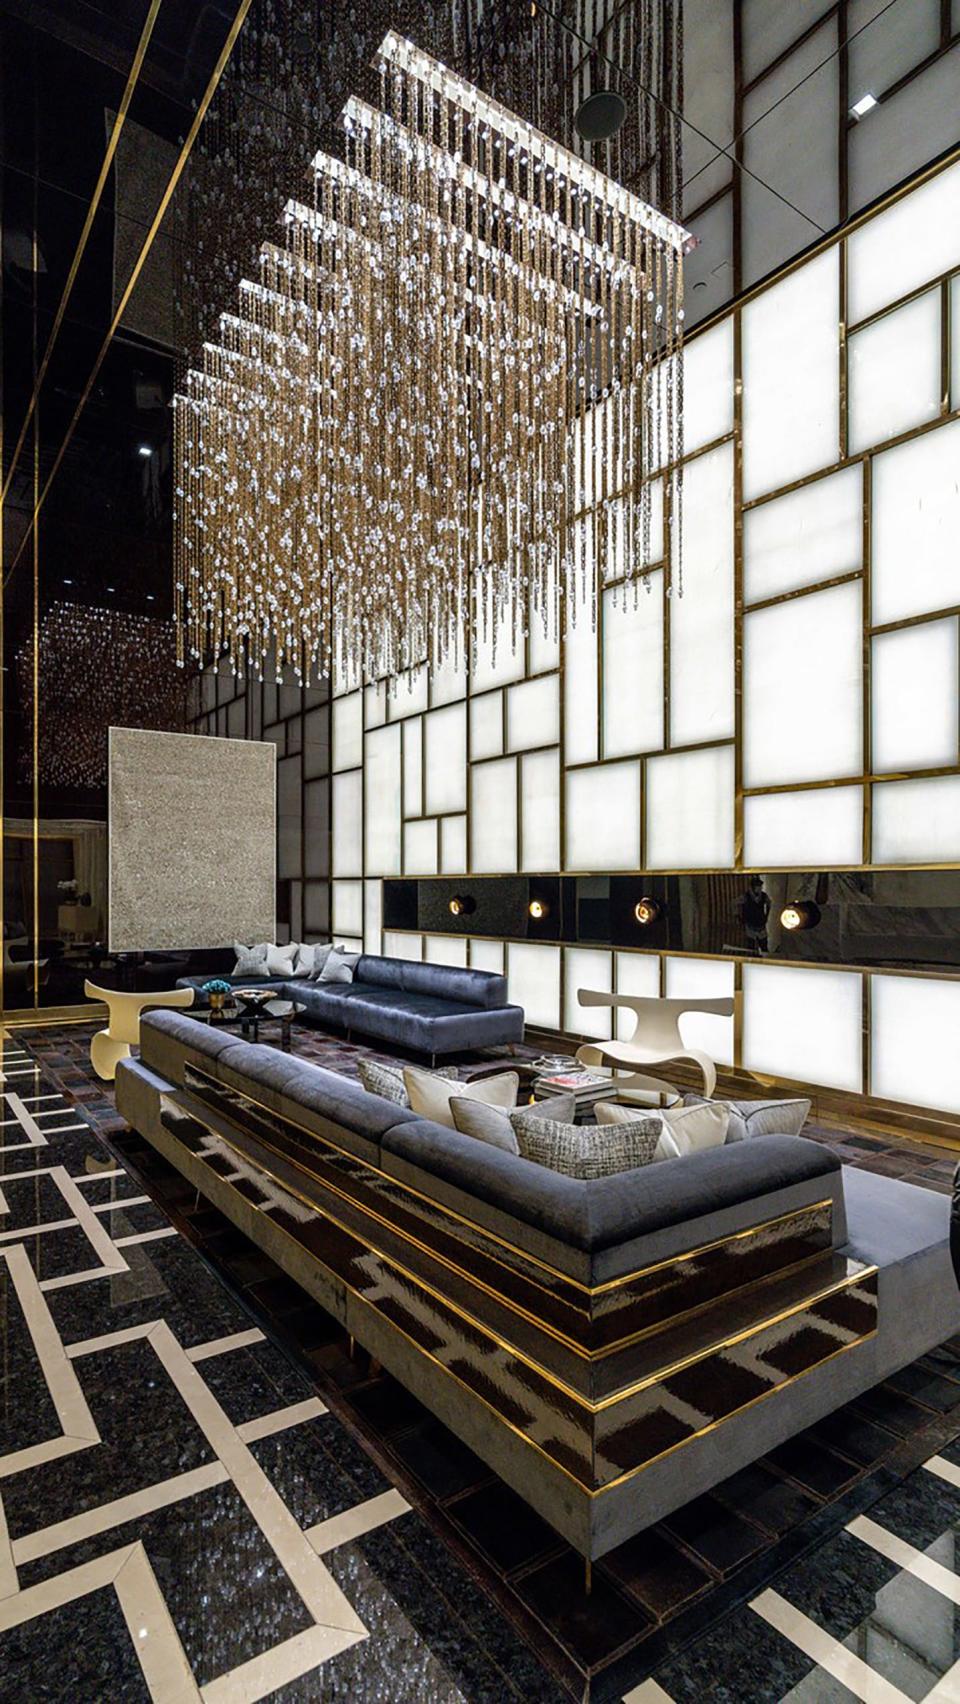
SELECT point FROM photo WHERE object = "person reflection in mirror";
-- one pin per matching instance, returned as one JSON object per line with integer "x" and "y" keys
{"x": 754, "y": 911}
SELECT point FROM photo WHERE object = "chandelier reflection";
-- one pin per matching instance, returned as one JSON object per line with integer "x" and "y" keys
{"x": 435, "y": 416}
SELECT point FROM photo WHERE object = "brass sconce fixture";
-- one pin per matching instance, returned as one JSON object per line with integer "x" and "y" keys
{"x": 462, "y": 905}
{"x": 646, "y": 911}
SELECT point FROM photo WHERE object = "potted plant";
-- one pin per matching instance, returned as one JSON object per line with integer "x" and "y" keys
{"x": 216, "y": 992}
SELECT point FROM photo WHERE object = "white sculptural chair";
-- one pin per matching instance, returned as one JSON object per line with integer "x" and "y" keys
{"x": 123, "y": 1029}
{"x": 656, "y": 1040}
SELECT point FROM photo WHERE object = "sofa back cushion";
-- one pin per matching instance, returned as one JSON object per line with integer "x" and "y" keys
{"x": 481, "y": 988}
{"x": 169, "y": 1040}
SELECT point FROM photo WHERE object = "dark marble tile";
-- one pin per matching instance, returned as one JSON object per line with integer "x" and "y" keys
{"x": 716, "y": 1534}
{"x": 504, "y": 1527}
{"x": 386, "y": 1406}
{"x": 892, "y": 1410}
{"x": 923, "y": 1383}
{"x": 318, "y": 1471}
{"x": 82, "y": 1651}
{"x": 812, "y": 1466}
{"x": 439, "y": 1460}
{"x": 851, "y": 1435}
{"x": 766, "y": 1499}
{"x": 657, "y": 1572}
{"x": 593, "y": 1628}
{"x": 837, "y": 1585}
{"x": 166, "y": 1281}
{"x": 920, "y": 1510}
{"x": 744, "y": 1661}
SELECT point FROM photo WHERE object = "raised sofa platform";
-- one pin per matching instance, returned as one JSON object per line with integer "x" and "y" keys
{"x": 429, "y": 1008}
{"x": 612, "y": 1348}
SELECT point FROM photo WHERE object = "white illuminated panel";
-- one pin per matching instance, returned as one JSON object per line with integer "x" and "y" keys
{"x": 708, "y": 387}
{"x": 444, "y": 949}
{"x": 453, "y": 845}
{"x": 396, "y": 944}
{"x": 915, "y": 239}
{"x": 420, "y": 851}
{"x": 347, "y": 824}
{"x": 448, "y": 683}
{"x": 804, "y": 1025}
{"x": 703, "y": 979}
{"x": 636, "y": 974}
{"x": 487, "y": 955}
{"x": 533, "y": 713}
{"x": 347, "y": 908}
{"x": 812, "y": 534}
{"x": 413, "y": 767}
{"x": 372, "y": 916}
{"x": 893, "y": 371}
{"x": 916, "y": 524}
{"x": 493, "y": 816}
{"x": 348, "y": 731}
{"x": 584, "y": 967}
{"x": 821, "y": 826}
{"x": 955, "y": 343}
{"x": 533, "y": 982}
{"x": 633, "y": 669}
{"x": 580, "y": 688}
{"x": 802, "y": 688}
{"x": 489, "y": 670}
{"x": 381, "y": 798}
{"x": 540, "y": 811}
{"x": 407, "y": 693}
{"x": 914, "y": 1025}
{"x": 701, "y": 621}
{"x": 914, "y": 691}
{"x": 445, "y": 758}
{"x": 545, "y": 643}
{"x": 917, "y": 822}
{"x": 375, "y": 704}
{"x": 690, "y": 810}
{"x": 486, "y": 726}
{"x": 603, "y": 817}
{"x": 791, "y": 402}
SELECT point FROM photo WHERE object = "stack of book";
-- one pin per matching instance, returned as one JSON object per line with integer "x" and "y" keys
{"x": 587, "y": 1087}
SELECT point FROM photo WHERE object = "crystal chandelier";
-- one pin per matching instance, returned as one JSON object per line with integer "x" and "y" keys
{"x": 440, "y": 404}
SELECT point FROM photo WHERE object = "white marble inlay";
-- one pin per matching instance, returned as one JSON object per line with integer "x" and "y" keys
{"x": 837, "y": 1659}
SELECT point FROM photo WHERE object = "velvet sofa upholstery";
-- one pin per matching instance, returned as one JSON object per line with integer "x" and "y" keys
{"x": 603, "y": 1346}
{"x": 432, "y": 1009}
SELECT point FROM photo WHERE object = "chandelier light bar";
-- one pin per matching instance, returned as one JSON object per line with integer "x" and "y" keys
{"x": 437, "y": 415}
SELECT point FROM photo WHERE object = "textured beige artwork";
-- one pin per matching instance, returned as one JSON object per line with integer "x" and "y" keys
{"x": 192, "y": 844}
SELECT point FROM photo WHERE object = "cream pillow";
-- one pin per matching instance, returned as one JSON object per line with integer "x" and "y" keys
{"x": 430, "y": 1096}
{"x": 281, "y": 960}
{"x": 685, "y": 1129}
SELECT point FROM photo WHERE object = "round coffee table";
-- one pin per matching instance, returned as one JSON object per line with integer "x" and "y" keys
{"x": 248, "y": 1018}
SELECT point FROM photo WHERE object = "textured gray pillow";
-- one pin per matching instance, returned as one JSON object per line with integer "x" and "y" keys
{"x": 320, "y": 956}
{"x": 750, "y": 1118}
{"x": 587, "y": 1151}
{"x": 387, "y": 1080}
{"x": 339, "y": 967}
{"x": 494, "y": 1125}
{"x": 251, "y": 961}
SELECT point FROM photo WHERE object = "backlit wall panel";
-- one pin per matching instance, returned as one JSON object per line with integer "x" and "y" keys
{"x": 794, "y": 708}
{"x": 915, "y": 1025}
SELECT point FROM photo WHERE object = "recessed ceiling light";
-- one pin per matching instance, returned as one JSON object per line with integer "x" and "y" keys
{"x": 601, "y": 115}
{"x": 144, "y": 449}
{"x": 150, "y": 598}
{"x": 865, "y": 104}
{"x": 68, "y": 582}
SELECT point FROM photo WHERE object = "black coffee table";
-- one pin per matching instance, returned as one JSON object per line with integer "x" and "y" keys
{"x": 248, "y": 1018}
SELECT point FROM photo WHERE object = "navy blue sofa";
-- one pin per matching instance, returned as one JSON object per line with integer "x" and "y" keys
{"x": 430, "y": 1008}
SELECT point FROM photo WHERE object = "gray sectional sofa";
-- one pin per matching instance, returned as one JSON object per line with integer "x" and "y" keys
{"x": 433, "y": 1009}
{"x": 611, "y": 1348}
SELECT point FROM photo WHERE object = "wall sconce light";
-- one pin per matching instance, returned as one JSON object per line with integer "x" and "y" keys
{"x": 538, "y": 909}
{"x": 800, "y": 914}
{"x": 646, "y": 911}
{"x": 462, "y": 905}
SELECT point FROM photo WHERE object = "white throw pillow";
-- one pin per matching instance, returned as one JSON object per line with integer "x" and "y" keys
{"x": 685, "y": 1129}
{"x": 281, "y": 960}
{"x": 320, "y": 956}
{"x": 251, "y": 961}
{"x": 304, "y": 962}
{"x": 339, "y": 966}
{"x": 491, "y": 1124}
{"x": 430, "y": 1096}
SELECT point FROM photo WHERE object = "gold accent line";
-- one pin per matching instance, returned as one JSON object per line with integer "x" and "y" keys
{"x": 140, "y": 261}
{"x": 555, "y": 1272}
{"x": 501, "y": 1419}
{"x": 111, "y": 149}
{"x": 593, "y": 1356}
{"x": 714, "y": 1348}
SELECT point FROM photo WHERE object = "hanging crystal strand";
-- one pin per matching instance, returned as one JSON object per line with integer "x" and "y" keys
{"x": 678, "y": 444}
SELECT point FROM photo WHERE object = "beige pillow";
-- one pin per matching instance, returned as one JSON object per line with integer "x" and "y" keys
{"x": 430, "y": 1096}
{"x": 685, "y": 1129}
{"x": 491, "y": 1124}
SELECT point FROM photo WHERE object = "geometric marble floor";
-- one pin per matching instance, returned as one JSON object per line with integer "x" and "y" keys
{"x": 181, "y": 1516}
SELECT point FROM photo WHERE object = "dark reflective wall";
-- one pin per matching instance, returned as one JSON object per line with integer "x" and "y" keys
{"x": 907, "y": 918}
